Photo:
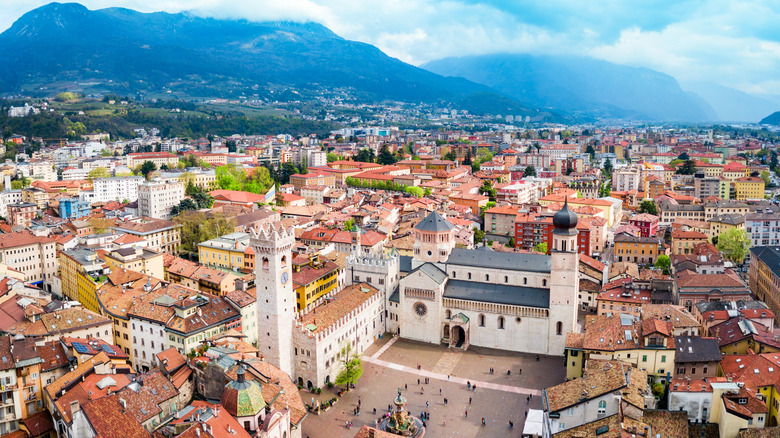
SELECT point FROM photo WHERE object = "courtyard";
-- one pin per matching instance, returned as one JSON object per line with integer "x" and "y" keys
{"x": 392, "y": 363}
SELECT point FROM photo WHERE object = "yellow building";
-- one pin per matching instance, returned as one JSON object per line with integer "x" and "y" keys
{"x": 34, "y": 195}
{"x": 749, "y": 187}
{"x": 313, "y": 277}
{"x": 159, "y": 234}
{"x": 82, "y": 272}
{"x": 142, "y": 260}
{"x": 648, "y": 344}
{"x": 231, "y": 251}
{"x": 204, "y": 179}
{"x": 741, "y": 368}
{"x": 641, "y": 250}
{"x": 722, "y": 223}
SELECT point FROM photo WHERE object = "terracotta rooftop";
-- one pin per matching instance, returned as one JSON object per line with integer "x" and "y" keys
{"x": 109, "y": 419}
{"x": 344, "y": 302}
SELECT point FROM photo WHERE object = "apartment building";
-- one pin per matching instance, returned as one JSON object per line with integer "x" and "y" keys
{"x": 158, "y": 158}
{"x": 34, "y": 256}
{"x": 231, "y": 251}
{"x": 749, "y": 187}
{"x": 500, "y": 221}
{"x": 763, "y": 227}
{"x": 160, "y": 234}
{"x": 625, "y": 179}
{"x": 764, "y": 276}
{"x": 119, "y": 188}
{"x": 21, "y": 214}
{"x": 642, "y": 250}
{"x": 157, "y": 197}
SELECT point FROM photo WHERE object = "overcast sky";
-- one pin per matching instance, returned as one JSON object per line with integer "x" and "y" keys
{"x": 734, "y": 43}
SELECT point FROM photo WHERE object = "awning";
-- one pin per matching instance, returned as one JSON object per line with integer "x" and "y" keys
{"x": 533, "y": 423}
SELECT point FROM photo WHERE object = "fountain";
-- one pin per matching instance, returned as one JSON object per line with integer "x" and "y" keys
{"x": 400, "y": 422}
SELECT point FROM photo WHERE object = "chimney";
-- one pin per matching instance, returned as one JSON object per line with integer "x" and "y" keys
{"x": 74, "y": 407}
{"x": 197, "y": 431}
{"x": 371, "y": 433}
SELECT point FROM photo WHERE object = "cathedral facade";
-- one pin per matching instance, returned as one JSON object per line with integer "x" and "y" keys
{"x": 444, "y": 295}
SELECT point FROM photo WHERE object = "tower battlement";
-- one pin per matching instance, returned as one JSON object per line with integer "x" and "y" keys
{"x": 271, "y": 236}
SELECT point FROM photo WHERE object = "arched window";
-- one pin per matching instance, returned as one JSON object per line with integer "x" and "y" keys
{"x": 544, "y": 282}
{"x": 602, "y": 407}
{"x": 559, "y": 328}
{"x": 525, "y": 280}
{"x": 284, "y": 262}
{"x": 265, "y": 264}
{"x": 481, "y": 320}
{"x": 449, "y": 313}
{"x": 469, "y": 275}
{"x": 501, "y": 322}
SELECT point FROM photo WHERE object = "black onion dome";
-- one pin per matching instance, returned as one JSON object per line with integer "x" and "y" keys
{"x": 565, "y": 221}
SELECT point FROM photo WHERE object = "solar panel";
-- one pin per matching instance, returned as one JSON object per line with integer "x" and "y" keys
{"x": 107, "y": 348}
{"x": 81, "y": 348}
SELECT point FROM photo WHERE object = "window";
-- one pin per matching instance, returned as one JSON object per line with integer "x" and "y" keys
{"x": 544, "y": 282}
{"x": 469, "y": 275}
{"x": 501, "y": 322}
{"x": 663, "y": 358}
{"x": 481, "y": 320}
{"x": 449, "y": 313}
{"x": 644, "y": 358}
{"x": 487, "y": 277}
{"x": 602, "y": 407}
{"x": 506, "y": 279}
{"x": 559, "y": 328}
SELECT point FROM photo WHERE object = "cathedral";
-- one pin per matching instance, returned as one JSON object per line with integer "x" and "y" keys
{"x": 443, "y": 295}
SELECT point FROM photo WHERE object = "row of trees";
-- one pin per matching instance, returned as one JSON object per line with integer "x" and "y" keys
{"x": 231, "y": 177}
{"x": 388, "y": 185}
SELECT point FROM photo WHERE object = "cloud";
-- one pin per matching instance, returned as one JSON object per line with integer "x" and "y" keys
{"x": 733, "y": 43}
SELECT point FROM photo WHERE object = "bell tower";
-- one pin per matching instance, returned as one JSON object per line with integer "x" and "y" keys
{"x": 275, "y": 296}
{"x": 434, "y": 239}
{"x": 564, "y": 280}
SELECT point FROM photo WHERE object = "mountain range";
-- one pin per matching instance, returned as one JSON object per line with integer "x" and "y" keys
{"x": 61, "y": 47}
{"x": 123, "y": 50}
{"x": 580, "y": 85}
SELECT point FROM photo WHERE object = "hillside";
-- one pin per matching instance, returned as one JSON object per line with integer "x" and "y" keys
{"x": 772, "y": 119}
{"x": 67, "y": 46}
{"x": 578, "y": 85}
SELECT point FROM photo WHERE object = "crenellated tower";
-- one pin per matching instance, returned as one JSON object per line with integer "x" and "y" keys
{"x": 275, "y": 297}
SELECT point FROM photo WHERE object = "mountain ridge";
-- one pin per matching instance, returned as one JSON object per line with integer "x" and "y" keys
{"x": 579, "y": 84}
{"x": 128, "y": 51}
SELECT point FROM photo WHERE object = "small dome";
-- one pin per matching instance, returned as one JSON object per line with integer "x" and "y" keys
{"x": 242, "y": 398}
{"x": 565, "y": 220}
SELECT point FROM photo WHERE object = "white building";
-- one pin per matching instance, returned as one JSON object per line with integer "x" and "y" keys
{"x": 626, "y": 179}
{"x": 113, "y": 189}
{"x": 509, "y": 301}
{"x": 763, "y": 227}
{"x": 8, "y": 197}
{"x": 72, "y": 174}
{"x": 155, "y": 198}
{"x": 35, "y": 256}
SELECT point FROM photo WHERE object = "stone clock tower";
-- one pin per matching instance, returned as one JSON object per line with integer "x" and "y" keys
{"x": 275, "y": 296}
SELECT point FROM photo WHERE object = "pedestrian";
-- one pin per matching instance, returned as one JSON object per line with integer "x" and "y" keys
{"x": 508, "y": 372}
{"x": 346, "y": 424}
{"x": 483, "y": 421}
{"x": 448, "y": 377}
{"x": 374, "y": 411}
{"x": 421, "y": 390}
{"x": 467, "y": 413}
{"x": 469, "y": 400}
{"x": 405, "y": 387}
{"x": 424, "y": 423}
{"x": 521, "y": 371}
{"x": 426, "y": 404}
{"x": 445, "y": 401}
{"x": 389, "y": 408}
{"x": 537, "y": 358}
{"x": 526, "y": 414}
{"x": 444, "y": 422}
{"x": 418, "y": 382}
{"x": 511, "y": 425}
{"x": 474, "y": 388}
{"x": 359, "y": 402}
{"x": 439, "y": 391}
{"x": 468, "y": 384}
{"x": 531, "y": 397}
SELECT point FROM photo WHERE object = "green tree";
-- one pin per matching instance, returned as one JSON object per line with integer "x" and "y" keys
{"x": 184, "y": 205}
{"x": 303, "y": 169}
{"x": 479, "y": 236}
{"x": 590, "y": 151}
{"x": 684, "y": 156}
{"x": 511, "y": 243}
{"x": 331, "y": 157}
{"x": 541, "y": 247}
{"x": 529, "y": 171}
{"x": 765, "y": 176}
{"x": 484, "y": 155}
{"x": 734, "y": 244}
{"x": 146, "y": 168}
{"x": 20, "y": 183}
{"x": 688, "y": 168}
{"x": 348, "y": 225}
{"x": 98, "y": 172}
{"x": 230, "y": 177}
{"x": 352, "y": 366}
{"x": 385, "y": 156}
{"x": 100, "y": 225}
{"x": 608, "y": 167}
{"x": 451, "y": 156}
{"x": 105, "y": 153}
{"x": 488, "y": 190}
{"x": 365, "y": 155}
{"x": 197, "y": 227}
{"x": 664, "y": 263}
{"x": 648, "y": 206}
{"x": 467, "y": 160}
{"x": 203, "y": 199}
